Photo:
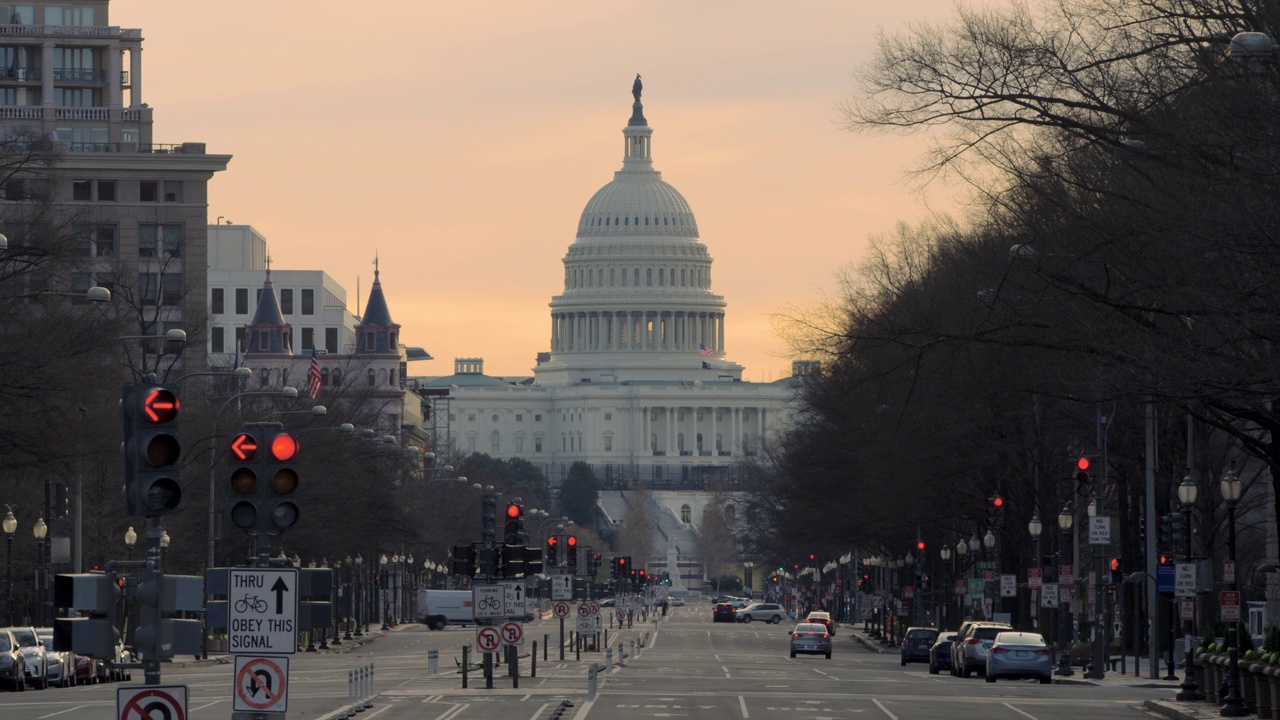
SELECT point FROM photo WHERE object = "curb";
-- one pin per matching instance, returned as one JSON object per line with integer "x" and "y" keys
{"x": 1177, "y": 711}
{"x": 870, "y": 644}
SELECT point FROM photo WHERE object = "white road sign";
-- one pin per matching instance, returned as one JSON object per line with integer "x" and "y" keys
{"x": 1184, "y": 580}
{"x": 261, "y": 684}
{"x": 514, "y": 599}
{"x": 561, "y": 609}
{"x": 489, "y": 601}
{"x": 146, "y": 702}
{"x": 561, "y": 587}
{"x": 262, "y": 607}
{"x": 488, "y": 638}
{"x": 1008, "y": 586}
{"x": 1100, "y": 531}
{"x": 512, "y": 633}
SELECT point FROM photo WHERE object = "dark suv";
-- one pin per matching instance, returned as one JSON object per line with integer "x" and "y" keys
{"x": 972, "y": 643}
{"x": 916, "y": 643}
{"x": 723, "y": 612}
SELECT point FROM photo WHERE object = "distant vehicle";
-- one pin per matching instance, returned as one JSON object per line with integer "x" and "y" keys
{"x": 13, "y": 667}
{"x": 723, "y": 612}
{"x": 916, "y": 644}
{"x": 769, "y": 612}
{"x": 940, "y": 653}
{"x": 61, "y": 664}
{"x": 33, "y": 652}
{"x": 972, "y": 644}
{"x": 438, "y": 608}
{"x": 811, "y": 639}
{"x": 1020, "y": 655}
{"x": 820, "y": 616}
{"x": 677, "y": 601}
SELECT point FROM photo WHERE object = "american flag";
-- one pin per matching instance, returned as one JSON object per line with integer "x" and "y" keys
{"x": 705, "y": 351}
{"x": 313, "y": 377}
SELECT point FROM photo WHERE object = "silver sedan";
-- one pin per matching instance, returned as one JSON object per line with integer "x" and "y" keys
{"x": 1020, "y": 655}
{"x": 811, "y": 639}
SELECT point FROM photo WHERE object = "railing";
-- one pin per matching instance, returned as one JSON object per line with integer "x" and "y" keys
{"x": 80, "y": 74}
{"x": 20, "y": 74}
{"x": 75, "y": 30}
{"x": 81, "y": 113}
{"x": 159, "y": 148}
{"x": 20, "y": 113}
{"x": 131, "y": 115}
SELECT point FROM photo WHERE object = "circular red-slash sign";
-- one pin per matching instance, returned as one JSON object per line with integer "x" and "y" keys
{"x": 168, "y": 705}
{"x": 260, "y": 684}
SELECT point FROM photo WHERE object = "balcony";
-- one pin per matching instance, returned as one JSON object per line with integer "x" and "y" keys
{"x": 100, "y": 31}
{"x": 20, "y": 74}
{"x": 92, "y": 75}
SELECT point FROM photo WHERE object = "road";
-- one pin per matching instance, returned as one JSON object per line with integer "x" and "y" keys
{"x": 691, "y": 667}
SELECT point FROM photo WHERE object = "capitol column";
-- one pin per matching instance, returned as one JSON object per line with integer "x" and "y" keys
{"x": 720, "y": 326}
{"x": 715, "y": 447}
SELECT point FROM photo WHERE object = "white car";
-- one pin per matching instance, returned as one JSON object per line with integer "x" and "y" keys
{"x": 768, "y": 612}
{"x": 33, "y": 652}
{"x": 62, "y": 665}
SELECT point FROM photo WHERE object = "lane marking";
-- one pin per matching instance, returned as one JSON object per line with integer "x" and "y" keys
{"x": 742, "y": 702}
{"x": 452, "y": 712}
{"x": 538, "y": 713}
{"x": 1033, "y": 717}
{"x": 77, "y": 707}
{"x": 885, "y": 709}
{"x": 725, "y": 668}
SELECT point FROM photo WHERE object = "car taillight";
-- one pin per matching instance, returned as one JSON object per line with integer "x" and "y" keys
{"x": 999, "y": 650}
{"x": 973, "y": 641}
{"x": 797, "y": 635}
{"x": 1044, "y": 651}
{"x": 824, "y": 636}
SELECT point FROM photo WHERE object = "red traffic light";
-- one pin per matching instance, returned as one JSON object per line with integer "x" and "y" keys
{"x": 919, "y": 544}
{"x": 1082, "y": 463}
{"x": 1114, "y": 564}
{"x": 572, "y": 541}
{"x": 513, "y": 511}
{"x": 622, "y": 561}
{"x": 551, "y": 540}
{"x": 997, "y": 502}
{"x": 284, "y": 447}
{"x": 160, "y": 405}
{"x": 244, "y": 446}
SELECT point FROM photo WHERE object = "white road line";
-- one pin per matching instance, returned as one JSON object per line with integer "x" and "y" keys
{"x": 63, "y": 711}
{"x": 885, "y": 709}
{"x": 742, "y": 702}
{"x": 538, "y": 713}
{"x": 452, "y": 712}
{"x": 215, "y": 702}
{"x": 1020, "y": 712}
{"x": 726, "y": 671}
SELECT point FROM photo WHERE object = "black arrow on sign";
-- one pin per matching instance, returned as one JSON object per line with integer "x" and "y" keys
{"x": 519, "y": 591}
{"x": 151, "y": 708}
{"x": 279, "y": 588}
{"x": 260, "y": 680}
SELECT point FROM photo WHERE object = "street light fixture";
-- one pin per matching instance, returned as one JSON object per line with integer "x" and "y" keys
{"x": 41, "y": 531}
{"x": 10, "y": 525}
{"x": 1189, "y": 690}
{"x": 382, "y": 582}
{"x": 164, "y": 546}
{"x": 130, "y": 538}
{"x": 1233, "y": 703}
{"x": 989, "y": 540}
{"x": 1065, "y": 520}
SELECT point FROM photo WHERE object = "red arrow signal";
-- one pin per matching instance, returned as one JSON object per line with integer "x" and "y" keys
{"x": 160, "y": 405}
{"x": 244, "y": 446}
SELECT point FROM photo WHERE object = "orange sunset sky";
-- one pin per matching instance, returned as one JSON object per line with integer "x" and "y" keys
{"x": 459, "y": 141}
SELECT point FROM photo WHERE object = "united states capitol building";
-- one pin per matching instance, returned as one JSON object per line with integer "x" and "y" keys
{"x": 637, "y": 382}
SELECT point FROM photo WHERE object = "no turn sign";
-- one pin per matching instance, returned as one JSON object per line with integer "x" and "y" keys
{"x": 146, "y": 702}
{"x": 262, "y": 684}
{"x": 512, "y": 633}
{"x": 487, "y": 638}
{"x": 561, "y": 609}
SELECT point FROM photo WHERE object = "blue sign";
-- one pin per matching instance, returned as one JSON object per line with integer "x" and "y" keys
{"x": 1165, "y": 575}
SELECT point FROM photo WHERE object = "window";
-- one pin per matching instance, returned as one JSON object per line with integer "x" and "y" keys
{"x": 308, "y": 301}
{"x": 608, "y": 442}
{"x": 653, "y": 442}
{"x": 148, "y": 191}
{"x": 718, "y": 443}
{"x": 148, "y": 287}
{"x": 337, "y": 376}
{"x": 240, "y": 336}
{"x": 216, "y": 339}
{"x": 106, "y": 191}
{"x": 519, "y": 417}
{"x": 324, "y": 376}
{"x": 286, "y": 301}
{"x": 19, "y": 14}
{"x": 471, "y": 443}
{"x": 686, "y": 514}
{"x": 608, "y": 416}
{"x": 331, "y": 340}
{"x": 537, "y": 418}
{"x": 66, "y": 15}
{"x": 680, "y": 442}
{"x": 242, "y": 301}
{"x": 471, "y": 417}
{"x": 216, "y": 306}
{"x": 698, "y": 440}
{"x": 104, "y": 241}
{"x": 648, "y": 277}
{"x": 495, "y": 442}
{"x": 264, "y": 343}
{"x": 173, "y": 191}
{"x": 163, "y": 239}
{"x": 81, "y": 190}
{"x": 373, "y": 377}
{"x": 494, "y": 418}
{"x": 537, "y": 443}
{"x": 308, "y": 338}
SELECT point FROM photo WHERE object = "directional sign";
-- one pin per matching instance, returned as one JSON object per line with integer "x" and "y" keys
{"x": 489, "y": 602}
{"x": 1100, "y": 530}
{"x": 262, "y": 684}
{"x": 561, "y": 587}
{"x": 262, "y": 609}
{"x": 514, "y": 599}
{"x": 512, "y": 633}
{"x": 561, "y": 609}
{"x": 488, "y": 638}
{"x": 244, "y": 446}
{"x": 1184, "y": 581}
{"x": 148, "y": 702}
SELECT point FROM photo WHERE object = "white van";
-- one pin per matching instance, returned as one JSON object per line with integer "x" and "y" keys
{"x": 437, "y": 608}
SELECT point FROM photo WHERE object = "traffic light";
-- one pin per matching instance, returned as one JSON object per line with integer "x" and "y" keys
{"x": 488, "y": 510}
{"x": 242, "y": 479}
{"x": 463, "y": 562}
{"x": 151, "y": 449}
{"x": 1083, "y": 478}
{"x": 641, "y": 577}
{"x": 571, "y": 553}
{"x": 532, "y": 561}
{"x": 281, "y": 470}
{"x": 95, "y": 596}
{"x": 511, "y": 530}
{"x": 1178, "y": 533}
{"x": 1116, "y": 571}
{"x": 513, "y": 565}
{"x": 995, "y": 510}
{"x": 593, "y": 564}
{"x": 160, "y": 636}
{"x": 919, "y": 547}
{"x": 551, "y": 558}
{"x": 1166, "y": 531}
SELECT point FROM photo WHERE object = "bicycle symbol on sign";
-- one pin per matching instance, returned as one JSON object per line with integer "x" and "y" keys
{"x": 490, "y": 602}
{"x": 257, "y": 604}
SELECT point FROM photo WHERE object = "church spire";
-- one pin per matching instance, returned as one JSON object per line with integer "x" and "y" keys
{"x": 268, "y": 333}
{"x": 377, "y": 332}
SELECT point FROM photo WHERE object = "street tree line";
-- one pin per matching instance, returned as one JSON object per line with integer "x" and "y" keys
{"x": 1116, "y": 272}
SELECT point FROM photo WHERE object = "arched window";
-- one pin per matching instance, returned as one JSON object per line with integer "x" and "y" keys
{"x": 686, "y": 514}
{"x": 660, "y": 277}
{"x": 324, "y": 376}
{"x": 337, "y": 376}
{"x": 373, "y": 377}
{"x": 391, "y": 376}
{"x": 746, "y": 443}
{"x": 648, "y": 273}
{"x": 266, "y": 377}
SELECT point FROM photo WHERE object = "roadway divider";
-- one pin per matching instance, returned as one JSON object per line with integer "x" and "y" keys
{"x": 359, "y": 689}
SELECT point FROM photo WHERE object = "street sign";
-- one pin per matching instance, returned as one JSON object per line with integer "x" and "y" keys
{"x": 975, "y": 587}
{"x": 489, "y": 601}
{"x": 1187, "y": 608}
{"x": 1066, "y": 574}
{"x": 985, "y": 565}
{"x": 586, "y": 624}
{"x": 988, "y": 575}
{"x": 595, "y": 607}
{"x": 1035, "y": 577}
{"x": 1230, "y": 606}
{"x": 584, "y": 610}
{"x": 1008, "y": 586}
{"x": 1166, "y": 579}
{"x": 1049, "y": 595}
{"x": 622, "y": 615}
{"x": 512, "y": 633}
{"x": 1100, "y": 531}
{"x": 261, "y": 684}
{"x": 146, "y": 702}
{"x": 561, "y": 587}
{"x": 960, "y": 587}
{"x": 514, "y": 599}
{"x": 1228, "y": 571}
{"x": 908, "y": 592}
{"x": 262, "y": 609}
{"x": 561, "y": 609}
{"x": 488, "y": 638}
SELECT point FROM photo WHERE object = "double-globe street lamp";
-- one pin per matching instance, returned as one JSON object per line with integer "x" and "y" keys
{"x": 10, "y": 525}
{"x": 1189, "y": 690}
{"x": 1065, "y": 520}
{"x": 1233, "y": 704}
{"x": 1034, "y": 528}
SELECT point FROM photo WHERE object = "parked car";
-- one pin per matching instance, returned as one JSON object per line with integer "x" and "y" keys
{"x": 769, "y": 612}
{"x": 940, "y": 653}
{"x": 62, "y": 664}
{"x": 13, "y": 666}
{"x": 677, "y": 601}
{"x": 823, "y": 617}
{"x": 916, "y": 643}
{"x": 738, "y": 602}
{"x": 33, "y": 652}
{"x": 723, "y": 612}
{"x": 811, "y": 639}
{"x": 972, "y": 644}
{"x": 1020, "y": 655}
{"x": 89, "y": 670}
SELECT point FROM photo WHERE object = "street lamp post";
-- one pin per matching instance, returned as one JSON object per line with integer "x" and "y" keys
{"x": 1065, "y": 520}
{"x": 337, "y": 602}
{"x": 1099, "y": 637}
{"x": 962, "y": 549}
{"x": 357, "y": 595}
{"x": 40, "y": 531}
{"x": 1189, "y": 690}
{"x": 1233, "y": 703}
{"x": 130, "y": 538}
{"x": 164, "y": 547}
{"x": 945, "y": 553}
{"x": 1034, "y": 528}
{"x": 383, "y": 583}
{"x": 10, "y": 525}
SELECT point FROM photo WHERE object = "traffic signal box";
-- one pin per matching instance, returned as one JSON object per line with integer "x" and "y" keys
{"x": 160, "y": 636}
{"x": 262, "y": 473}
{"x": 1084, "y": 478}
{"x": 571, "y": 553}
{"x": 151, "y": 449}
{"x": 97, "y": 597}
{"x": 551, "y": 556}
{"x": 464, "y": 561}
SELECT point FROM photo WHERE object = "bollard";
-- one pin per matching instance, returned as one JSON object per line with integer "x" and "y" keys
{"x": 368, "y": 702}
{"x": 577, "y": 650}
{"x": 533, "y": 660}
{"x": 466, "y": 663}
{"x": 591, "y": 683}
{"x": 546, "y": 640}
{"x": 433, "y": 662}
{"x": 606, "y": 637}
{"x": 608, "y": 660}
